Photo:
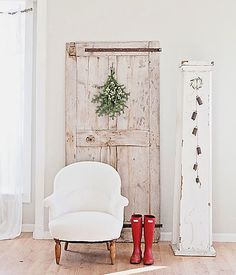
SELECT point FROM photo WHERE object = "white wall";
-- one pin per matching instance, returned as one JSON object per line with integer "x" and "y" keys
{"x": 187, "y": 29}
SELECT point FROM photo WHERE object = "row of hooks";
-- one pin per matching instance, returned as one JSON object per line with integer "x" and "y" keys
{"x": 196, "y": 84}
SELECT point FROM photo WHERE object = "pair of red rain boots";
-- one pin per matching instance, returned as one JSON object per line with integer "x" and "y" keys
{"x": 149, "y": 226}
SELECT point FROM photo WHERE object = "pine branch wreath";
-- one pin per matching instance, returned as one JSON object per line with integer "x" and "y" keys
{"x": 111, "y": 98}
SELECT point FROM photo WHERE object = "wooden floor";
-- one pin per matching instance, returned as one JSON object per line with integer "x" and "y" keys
{"x": 27, "y": 256}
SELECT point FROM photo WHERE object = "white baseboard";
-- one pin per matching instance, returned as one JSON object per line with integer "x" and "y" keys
{"x": 27, "y": 227}
{"x": 165, "y": 236}
{"x": 224, "y": 237}
{"x": 217, "y": 237}
{"x": 47, "y": 235}
{"x": 30, "y": 228}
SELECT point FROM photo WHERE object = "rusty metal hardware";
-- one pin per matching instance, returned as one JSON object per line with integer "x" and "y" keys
{"x": 69, "y": 138}
{"x": 123, "y": 50}
{"x": 90, "y": 138}
{"x": 194, "y": 132}
{"x": 194, "y": 115}
{"x": 199, "y": 100}
{"x": 71, "y": 49}
{"x": 195, "y": 166}
{"x": 199, "y": 151}
{"x": 196, "y": 83}
{"x": 183, "y": 62}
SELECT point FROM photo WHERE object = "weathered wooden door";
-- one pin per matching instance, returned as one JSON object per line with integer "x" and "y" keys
{"x": 130, "y": 143}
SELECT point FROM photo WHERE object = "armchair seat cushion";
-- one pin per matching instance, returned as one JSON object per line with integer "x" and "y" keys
{"x": 88, "y": 226}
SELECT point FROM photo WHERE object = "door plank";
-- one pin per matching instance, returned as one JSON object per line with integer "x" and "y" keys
{"x": 94, "y": 75}
{"x": 97, "y": 74}
{"x": 70, "y": 105}
{"x": 132, "y": 163}
{"x": 133, "y": 72}
{"x": 124, "y": 76}
{"x": 112, "y": 122}
{"x": 84, "y": 106}
{"x": 104, "y": 157}
{"x": 154, "y": 152}
{"x": 102, "y": 70}
{"x": 82, "y": 116}
{"x": 88, "y": 153}
{"x": 113, "y": 138}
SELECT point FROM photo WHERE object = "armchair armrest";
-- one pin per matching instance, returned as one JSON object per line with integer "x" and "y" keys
{"x": 121, "y": 201}
{"x": 117, "y": 208}
{"x": 54, "y": 208}
{"x": 49, "y": 201}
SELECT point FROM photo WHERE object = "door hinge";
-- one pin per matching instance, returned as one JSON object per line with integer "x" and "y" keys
{"x": 71, "y": 49}
{"x": 182, "y": 143}
{"x": 69, "y": 138}
{"x": 179, "y": 239}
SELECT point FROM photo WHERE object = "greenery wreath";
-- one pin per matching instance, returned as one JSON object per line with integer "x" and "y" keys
{"x": 111, "y": 98}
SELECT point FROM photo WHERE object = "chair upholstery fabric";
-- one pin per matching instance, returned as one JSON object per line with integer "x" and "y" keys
{"x": 86, "y": 226}
{"x": 86, "y": 204}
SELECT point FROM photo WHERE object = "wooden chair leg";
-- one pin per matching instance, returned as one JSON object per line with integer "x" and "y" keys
{"x": 113, "y": 252}
{"x": 66, "y": 246}
{"x": 57, "y": 251}
{"x": 108, "y": 246}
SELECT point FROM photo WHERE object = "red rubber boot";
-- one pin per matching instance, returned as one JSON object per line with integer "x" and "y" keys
{"x": 136, "y": 223}
{"x": 149, "y": 226}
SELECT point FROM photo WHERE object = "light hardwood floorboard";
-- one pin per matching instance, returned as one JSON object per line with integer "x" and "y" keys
{"x": 27, "y": 256}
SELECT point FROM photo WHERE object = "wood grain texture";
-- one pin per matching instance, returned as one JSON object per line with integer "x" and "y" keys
{"x": 130, "y": 142}
{"x": 112, "y": 122}
{"x": 154, "y": 150}
{"x": 113, "y": 252}
{"x": 101, "y": 138}
{"x": 70, "y": 104}
{"x": 57, "y": 251}
{"x": 37, "y": 258}
{"x": 135, "y": 179}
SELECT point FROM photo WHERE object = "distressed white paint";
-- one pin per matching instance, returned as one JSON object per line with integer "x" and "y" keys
{"x": 192, "y": 226}
{"x": 130, "y": 142}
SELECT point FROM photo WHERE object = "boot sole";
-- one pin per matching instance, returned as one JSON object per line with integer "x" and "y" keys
{"x": 135, "y": 262}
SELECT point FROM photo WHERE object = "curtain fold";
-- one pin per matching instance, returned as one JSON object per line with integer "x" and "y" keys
{"x": 12, "y": 96}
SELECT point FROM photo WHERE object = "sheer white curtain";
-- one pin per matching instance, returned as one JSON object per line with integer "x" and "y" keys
{"x": 12, "y": 117}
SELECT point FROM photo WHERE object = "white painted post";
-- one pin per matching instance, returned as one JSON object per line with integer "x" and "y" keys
{"x": 40, "y": 101}
{"x": 192, "y": 216}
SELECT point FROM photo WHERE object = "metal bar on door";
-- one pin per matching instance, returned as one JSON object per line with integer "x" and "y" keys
{"x": 123, "y": 49}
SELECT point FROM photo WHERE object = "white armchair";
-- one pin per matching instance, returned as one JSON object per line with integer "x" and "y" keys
{"x": 86, "y": 206}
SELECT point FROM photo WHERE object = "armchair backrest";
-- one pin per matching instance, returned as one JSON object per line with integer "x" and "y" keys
{"x": 86, "y": 186}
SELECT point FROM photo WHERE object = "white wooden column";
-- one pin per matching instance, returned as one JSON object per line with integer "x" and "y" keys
{"x": 192, "y": 222}
{"x": 41, "y": 76}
